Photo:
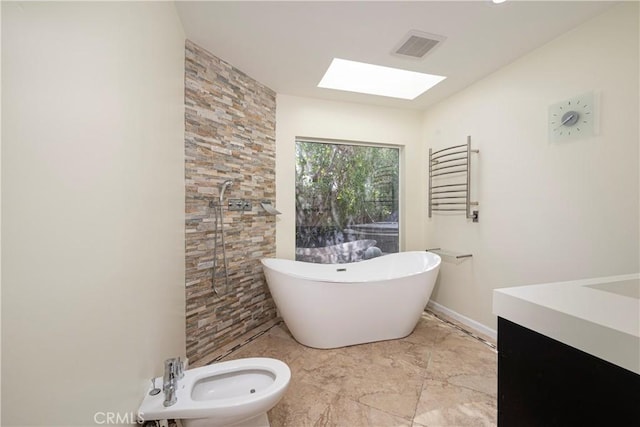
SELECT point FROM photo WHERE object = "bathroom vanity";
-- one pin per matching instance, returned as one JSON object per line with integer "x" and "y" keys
{"x": 569, "y": 353}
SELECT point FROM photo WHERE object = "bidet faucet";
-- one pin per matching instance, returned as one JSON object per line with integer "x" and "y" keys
{"x": 170, "y": 397}
{"x": 173, "y": 370}
{"x": 179, "y": 369}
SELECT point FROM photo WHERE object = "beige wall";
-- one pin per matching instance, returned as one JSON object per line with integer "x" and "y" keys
{"x": 306, "y": 117}
{"x": 92, "y": 207}
{"x": 549, "y": 211}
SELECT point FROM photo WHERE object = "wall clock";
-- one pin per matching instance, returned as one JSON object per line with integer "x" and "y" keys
{"x": 572, "y": 118}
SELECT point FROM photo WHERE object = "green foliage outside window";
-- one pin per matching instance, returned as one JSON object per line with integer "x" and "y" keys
{"x": 339, "y": 184}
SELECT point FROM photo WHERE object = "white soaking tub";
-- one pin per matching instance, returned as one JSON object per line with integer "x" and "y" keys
{"x": 336, "y": 305}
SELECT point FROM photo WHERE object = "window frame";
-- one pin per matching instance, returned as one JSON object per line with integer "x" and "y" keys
{"x": 401, "y": 177}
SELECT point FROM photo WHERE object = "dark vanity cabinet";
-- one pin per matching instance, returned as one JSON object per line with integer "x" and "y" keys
{"x": 543, "y": 382}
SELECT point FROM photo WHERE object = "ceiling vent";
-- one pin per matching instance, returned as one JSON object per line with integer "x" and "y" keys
{"x": 417, "y": 44}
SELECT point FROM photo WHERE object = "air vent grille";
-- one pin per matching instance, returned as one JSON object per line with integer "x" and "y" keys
{"x": 417, "y": 47}
{"x": 417, "y": 44}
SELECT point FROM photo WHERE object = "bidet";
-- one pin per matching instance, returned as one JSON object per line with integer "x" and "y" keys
{"x": 233, "y": 393}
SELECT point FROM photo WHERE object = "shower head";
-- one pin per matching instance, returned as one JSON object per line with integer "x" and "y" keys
{"x": 223, "y": 187}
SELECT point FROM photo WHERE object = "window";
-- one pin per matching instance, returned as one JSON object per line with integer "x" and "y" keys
{"x": 346, "y": 201}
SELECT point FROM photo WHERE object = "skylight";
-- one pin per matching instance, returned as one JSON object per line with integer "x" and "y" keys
{"x": 372, "y": 79}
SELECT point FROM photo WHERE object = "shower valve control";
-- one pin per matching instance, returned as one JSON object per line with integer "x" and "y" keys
{"x": 239, "y": 205}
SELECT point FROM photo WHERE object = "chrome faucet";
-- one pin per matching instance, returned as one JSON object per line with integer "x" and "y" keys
{"x": 173, "y": 371}
{"x": 179, "y": 369}
{"x": 170, "y": 397}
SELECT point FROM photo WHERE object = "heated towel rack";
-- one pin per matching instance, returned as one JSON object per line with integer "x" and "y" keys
{"x": 450, "y": 180}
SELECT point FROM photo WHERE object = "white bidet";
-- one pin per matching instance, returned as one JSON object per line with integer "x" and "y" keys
{"x": 234, "y": 393}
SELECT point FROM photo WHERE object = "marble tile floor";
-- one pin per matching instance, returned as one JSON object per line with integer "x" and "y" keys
{"x": 437, "y": 376}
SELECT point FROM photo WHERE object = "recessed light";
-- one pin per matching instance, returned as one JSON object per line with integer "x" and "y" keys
{"x": 498, "y": 1}
{"x": 372, "y": 79}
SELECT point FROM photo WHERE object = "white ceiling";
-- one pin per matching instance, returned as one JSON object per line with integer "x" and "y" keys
{"x": 288, "y": 45}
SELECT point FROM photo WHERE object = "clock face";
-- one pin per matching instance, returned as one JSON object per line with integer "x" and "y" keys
{"x": 573, "y": 118}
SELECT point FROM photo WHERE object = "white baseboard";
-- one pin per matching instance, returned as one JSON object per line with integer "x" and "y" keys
{"x": 476, "y": 326}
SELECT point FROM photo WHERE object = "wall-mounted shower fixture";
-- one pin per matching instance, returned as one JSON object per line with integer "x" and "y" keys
{"x": 247, "y": 205}
{"x": 218, "y": 214}
{"x": 268, "y": 207}
{"x": 239, "y": 205}
{"x": 223, "y": 188}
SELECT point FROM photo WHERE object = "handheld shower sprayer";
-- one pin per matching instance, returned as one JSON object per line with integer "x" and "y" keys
{"x": 223, "y": 187}
{"x": 219, "y": 229}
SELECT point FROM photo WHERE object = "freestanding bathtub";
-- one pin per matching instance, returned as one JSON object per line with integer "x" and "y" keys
{"x": 336, "y": 305}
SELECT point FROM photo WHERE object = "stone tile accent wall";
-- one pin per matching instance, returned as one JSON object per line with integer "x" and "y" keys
{"x": 229, "y": 134}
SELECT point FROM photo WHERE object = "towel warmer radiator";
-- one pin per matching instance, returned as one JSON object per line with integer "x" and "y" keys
{"x": 451, "y": 193}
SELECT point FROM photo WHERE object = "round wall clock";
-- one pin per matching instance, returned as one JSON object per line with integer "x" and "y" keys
{"x": 573, "y": 118}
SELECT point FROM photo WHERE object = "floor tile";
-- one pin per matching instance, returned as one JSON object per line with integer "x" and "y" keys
{"x": 375, "y": 378}
{"x": 437, "y": 376}
{"x": 444, "y": 404}
{"x": 348, "y": 413}
{"x": 464, "y": 361}
{"x": 302, "y": 405}
{"x": 275, "y": 343}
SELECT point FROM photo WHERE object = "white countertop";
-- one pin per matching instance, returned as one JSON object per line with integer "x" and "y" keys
{"x": 598, "y": 316}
